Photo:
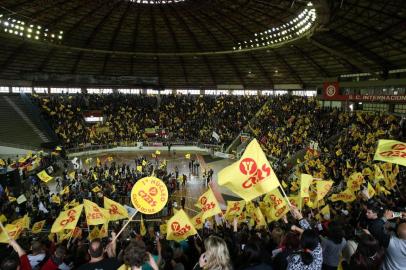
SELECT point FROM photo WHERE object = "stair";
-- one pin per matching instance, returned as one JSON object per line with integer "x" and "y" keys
{"x": 16, "y": 127}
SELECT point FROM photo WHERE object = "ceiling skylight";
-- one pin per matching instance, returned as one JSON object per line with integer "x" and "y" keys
{"x": 297, "y": 27}
{"x": 23, "y": 29}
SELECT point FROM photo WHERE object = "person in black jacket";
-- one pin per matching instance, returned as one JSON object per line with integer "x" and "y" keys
{"x": 375, "y": 222}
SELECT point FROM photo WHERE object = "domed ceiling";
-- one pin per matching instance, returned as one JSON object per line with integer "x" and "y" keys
{"x": 202, "y": 43}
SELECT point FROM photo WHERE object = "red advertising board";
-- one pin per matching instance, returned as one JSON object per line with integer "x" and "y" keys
{"x": 331, "y": 91}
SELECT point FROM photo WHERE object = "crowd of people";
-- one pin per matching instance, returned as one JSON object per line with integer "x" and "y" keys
{"x": 127, "y": 118}
{"x": 368, "y": 233}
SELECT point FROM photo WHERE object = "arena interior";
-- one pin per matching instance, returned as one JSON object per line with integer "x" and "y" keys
{"x": 203, "y": 134}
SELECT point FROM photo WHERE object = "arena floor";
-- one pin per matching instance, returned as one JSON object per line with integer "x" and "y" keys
{"x": 195, "y": 184}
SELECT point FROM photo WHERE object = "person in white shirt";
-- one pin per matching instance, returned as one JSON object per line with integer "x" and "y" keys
{"x": 38, "y": 254}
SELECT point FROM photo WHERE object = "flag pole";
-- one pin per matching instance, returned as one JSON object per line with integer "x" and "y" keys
{"x": 286, "y": 197}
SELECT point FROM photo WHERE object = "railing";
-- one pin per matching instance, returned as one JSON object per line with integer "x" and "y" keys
{"x": 90, "y": 147}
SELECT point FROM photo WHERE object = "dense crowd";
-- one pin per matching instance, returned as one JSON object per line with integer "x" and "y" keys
{"x": 127, "y": 118}
{"x": 368, "y": 233}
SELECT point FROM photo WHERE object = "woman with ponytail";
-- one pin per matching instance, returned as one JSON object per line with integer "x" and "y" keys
{"x": 310, "y": 256}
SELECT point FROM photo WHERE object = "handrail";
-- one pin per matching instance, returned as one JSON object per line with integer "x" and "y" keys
{"x": 90, "y": 147}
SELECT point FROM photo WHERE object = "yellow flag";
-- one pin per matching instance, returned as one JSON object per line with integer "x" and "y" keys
{"x": 379, "y": 189}
{"x": 95, "y": 233}
{"x": 23, "y": 222}
{"x": 371, "y": 190}
{"x": 144, "y": 163}
{"x": 378, "y": 173}
{"x": 395, "y": 171}
{"x": 95, "y": 176}
{"x": 275, "y": 214}
{"x": 143, "y": 230}
{"x": 305, "y": 182}
{"x": 65, "y": 190}
{"x": 208, "y": 204}
{"x": 44, "y": 176}
{"x": 391, "y": 151}
{"x": 187, "y": 156}
{"x": 367, "y": 172}
{"x": 104, "y": 230}
{"x": 139, "y": 168}
{"x": 37, "y": 227}
{"x": 180, "y": 227}
{"x": 98, "y": 162}
{"x": 284, "y": 185}
{"x": 322, "y": 188}
{"x": 339, "y": 152}
{"x": 55, "y": 199}
{"x": 67, "y": 219}
{"x": 234, "y": 208}
{"x": 326, "y": 211}
{"x": 251, "y": 176}
{"x": 275, "y": 199}
{"x": 3, "y": 218}
{"x": 13, "y": 232}
{"x": 355, "y": 181}
{"x": 72, "y": 175}
{"x": 162, "y": 229}
{"x": 95, "y": 215}
{"x": 296, "y": 201}
{"x": 96, "y": 189}
{"x": 12, "y": 199}
{"x": 116, "y": 210}
{"x": 157, "y": 152}
{"x": 2, "y": 163}
{"x": 348, "y": 165}
{"x": 198, "y": 221}
{"x": 345, "y": 196}
{"x": 153, "y": 155}
{"x": 64, "y": 235}
{"x": 258, "y": 217}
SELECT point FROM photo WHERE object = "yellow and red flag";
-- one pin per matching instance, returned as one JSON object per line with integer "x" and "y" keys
{"x": 355, "y": 181}
{"x": 94, "y": 233}
{"x": 251, "y": 176}
{"x": 208, "y": 204}
{"x": 198, "y": 221}
{"x": 258, "y": 217}
{"x": 179, "y": 227}
{"x": 13, "y": 232}
{"x": 95, "y": 214}
{"x": 116, "y": 210}
{"x": 67, "y": 220}
{"x": 37, "y": 227}
{"x": 345, "y": 196}
{"x": 234, "y": 208}
{"x": 391, "y": 151}
{"x": 322, "y": 188}
{"x": 305, "y": 182}
{"x": 275, "y": 199}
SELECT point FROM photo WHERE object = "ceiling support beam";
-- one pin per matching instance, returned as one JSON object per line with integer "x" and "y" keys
{"x": 113, "y": 39}
{"x": 197, "y": 44}
{"x": 309, "y": 59}
{"x": 135, "y": 39}
{"x": 361, "y": 67}
{"x": 93, "y": 35}
{"x": 68, "y": 33}
{"x": 371, "y": 56}
{"x": 175, "y": 41}
{"x": 292, "y": 71}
